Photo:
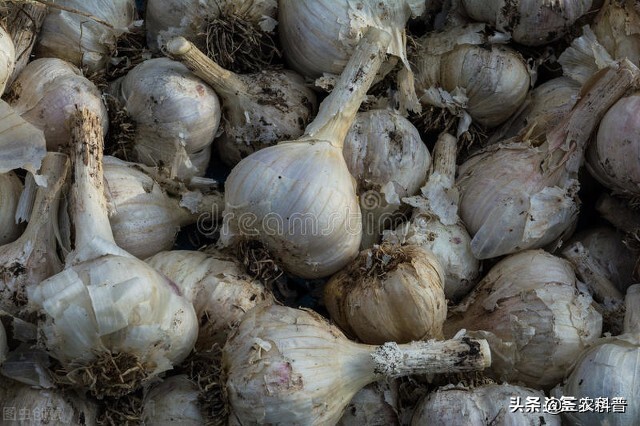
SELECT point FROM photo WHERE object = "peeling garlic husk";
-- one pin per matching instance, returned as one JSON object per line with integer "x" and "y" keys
{"x": 281, "y": 361}
{"x": 176, "y": 114}
{"x": 454, "y": 70}
{"x": 522, "y": 193}
{"x": 10, "y": 190}
{"x": 530, "y": 22}
{"x": 175, "y": 400}
{"x": 47, "y": 93}
{"x": 162, "y": 24}
{"x": 7, "y": 58}
{"x": 373, "y": 405}
{"x": 86, "y": 38}
{"x": 389, "y": 293}
{"x": 22, "y": 145}
{"x": 217, "y": 285}
{"x": 535, "y": 315}
{"x": 461, "y": 405}
{"x": 609, "y": 369}
{"x": 435, "y": 224}
{"x": 389, "y": 161}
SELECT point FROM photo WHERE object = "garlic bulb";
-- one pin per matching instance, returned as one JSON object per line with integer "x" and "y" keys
{"x": 386, "y": 156}
{"x": 482, "y": 405}
{"x": 435, "y": 224}
{"x": 373, "y": 405}
{"x": 111, "y": 321}
{"x": 259, "y": 109}
{"x": 176, "y": 115}
{"x": 608, "y": 370}
{"x": 389, "y": 293}
{"x": 145, "y": 219}
{"x": 455, "y": 70}
{"x": 10, "y": 189}
{"x": 530, "y": 22}
{"x": 290, "y": 366}
{"x": 534, "y": 315}
{"x": 7, "y": 58}
{"x": 84, "y": 32}
{"x": 174, "y": 401}
{"x": 32, "y": 258}
{"x": 612, "y": 157}
{"x": 298, "y": 198}
{"x": 319, "y": 36}
{"x": 218, "y": 287}
{"x": 522, "y": 194}
{"x": 47, "y": 93}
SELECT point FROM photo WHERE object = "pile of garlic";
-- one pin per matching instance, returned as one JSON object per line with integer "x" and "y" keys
{"x": 318, "y": 212}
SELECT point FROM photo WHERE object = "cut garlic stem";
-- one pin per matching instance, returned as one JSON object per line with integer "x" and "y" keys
{"x": 593, "y": 275}
{"x": 23, "y": 25}
{"x": 223, "y": 81}
{"x": 444, "y": 161}
{"x": 632, "y": 315}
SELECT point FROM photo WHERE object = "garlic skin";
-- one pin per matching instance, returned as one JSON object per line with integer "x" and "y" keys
{"x": 612, "y": 157}
{"x": 609, "y": 369}
{"x": 22, "y": 145}
{"x": 290, "y": 366}
{"x": 534, "y": 315}
{"x": 389, "y": 293}
{"x": 47, "y": 93}
{"x": 488, "y": 83}
{"x": 10, "y": 189}
{"x": 175, "y": 400}
{"x": 533, "y": 22}
{"x": 7, "y": 58}
{"x": 389, "y": 161}
{"x": 80, "y": 38}
{"x": 374, "y": 405}
{"x": 176, "y": 114}
{"x": 218, "y": 287}
{"x": 460, "y": 405}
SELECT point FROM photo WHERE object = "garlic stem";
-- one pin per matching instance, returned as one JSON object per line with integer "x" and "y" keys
{"x": 223, "y": 81}
{"x": 90, "y": 216}
{"x": 592, "y": 273}
{"x": 632, "y": 315}
{"x": 444, "y": 161}
{"x": 23, "y": 25}
{"x": 446, "y": 356}
{"x": 338, "y": 111}
{"x": 618, "y": 213}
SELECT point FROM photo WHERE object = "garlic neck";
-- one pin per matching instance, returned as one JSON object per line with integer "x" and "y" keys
{"x": 632, "y": 315}
{"x": 339, "y": 109}
{"x": 209, "y": 207}
{"x": 444, "y": 161}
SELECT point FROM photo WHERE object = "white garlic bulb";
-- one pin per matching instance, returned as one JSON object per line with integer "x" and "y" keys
{"x": 259, "y": 110}
{"x": 108, "y": 310}
{"x": 481, "y": 405}
{"x": 298, "y": 198}
{"x": 374, "y": 405}
{"x": 455, "y": 70}
{"x": 217, "y": 285}
{"x": 84, "y": 32}
{"x": 290, "y": 366}
{"x": 7, "y": 58}
{"x": 10, "y": 189}
{"x": 523, "y": 193}
{"x": 174, "y": 401}
{"x": 389, "y": 161}
{"x": 389, "y": 293}
{"x": 534, "y": 315}
{"x": 530, "y": 22}
{"x": 46, "y": 94}
{"x": 176, "y": 114}
{"x": 609, "y": 369}
{"x": 435, "y": 224}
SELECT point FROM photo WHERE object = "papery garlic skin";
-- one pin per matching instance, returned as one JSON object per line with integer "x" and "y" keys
{"x": 530, "y": 22}
{"x": 176, "y": 114}
{"x": 84, "y": 41}
{"x": 46, "y": 94}
{"x": 389, "y": 161}
{"x": 175, "y": 400}
{"x": 534, "y": 315}
{"x": 374, "y": 405}
{"x": 7, "y": 58}
{"x": 218, "y": 287}
{"x": 10, "y": 189}
{"x": 389, "y": 293}
{"x": 461, "y": 405}
{"x": 613, "y": 155}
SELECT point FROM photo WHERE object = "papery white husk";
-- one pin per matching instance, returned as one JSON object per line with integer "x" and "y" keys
{"x": 535, "y": 315}
{"x": 10, "y": 189}
{"x": 176, "y": 114}
{"x": 7, "y": 58}
{"x": 389, "y": 161}
{"x": 81, "y": 40}
{"x": 374, "y": 405}
{"x": 461, "y": 405}
{"x": 175, "y": 400}
{"x": 218, "y": 287}
{"x": 46, "y": 94}
{"x": 22, "y": 145}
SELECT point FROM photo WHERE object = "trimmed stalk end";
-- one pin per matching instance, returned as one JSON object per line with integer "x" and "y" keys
{"x": 178, "y": 46}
